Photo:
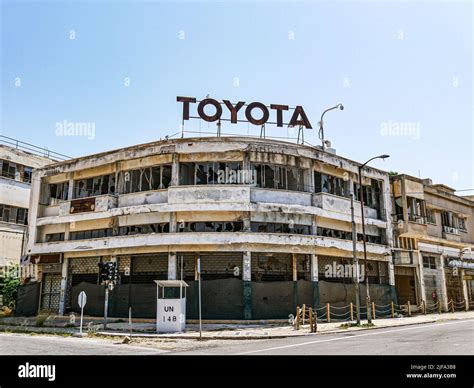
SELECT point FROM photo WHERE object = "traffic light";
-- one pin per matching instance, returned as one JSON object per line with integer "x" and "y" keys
{"x": 102, "y": 272}
{"x": 109, "y": 271}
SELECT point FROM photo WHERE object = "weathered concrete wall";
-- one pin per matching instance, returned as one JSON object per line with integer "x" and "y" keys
{"x": 10, "y": 244}
{"x": 14, "y": 193}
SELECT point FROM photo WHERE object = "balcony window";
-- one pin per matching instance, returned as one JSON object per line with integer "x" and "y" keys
{"x": 143, "y": 229}
{"x": 58, "y": 192}
{"x": 275, "y": 176}
{"x": 430, "y": 216}
{"x": 416, "y": 209}
{"x": 13, "y": 214}
{"x": 274, "y": 227}
{"x": 15, "y": 171}
{"x": 230, "y": 226}
{"x": 212, "y": 173}
{"x": 371, "y": 194}
{"x": 90, "y": 234}
{"x": 330, "y": 184}
{"x": 54, "y": 237}
{"x": 92, "y": 187}
{"x": 451, "y": 222}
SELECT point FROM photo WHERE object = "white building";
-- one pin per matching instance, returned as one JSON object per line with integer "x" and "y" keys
{"x": 268, "y": 219}
{"x": 16, "y": 166}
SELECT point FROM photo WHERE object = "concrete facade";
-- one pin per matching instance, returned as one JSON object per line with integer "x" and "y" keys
{"x": 267, "y": 218}
{"x": 16, "y": 168}
{"x": 434, "y": 237}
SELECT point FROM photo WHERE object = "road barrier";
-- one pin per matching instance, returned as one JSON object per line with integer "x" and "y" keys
{"x": 329, "y": 313}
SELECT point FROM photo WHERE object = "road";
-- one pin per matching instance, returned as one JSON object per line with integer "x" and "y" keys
{"x": 24, "y": 344}
{"x": 443, "y": 338}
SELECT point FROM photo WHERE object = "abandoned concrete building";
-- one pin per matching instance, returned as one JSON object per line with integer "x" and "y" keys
{"x": 433, "y": 237}
{"x": 268, "y": 220}
{"x": 16, "y": 166}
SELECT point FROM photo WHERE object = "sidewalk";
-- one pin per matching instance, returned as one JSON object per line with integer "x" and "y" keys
{"x": 232, "y": 330}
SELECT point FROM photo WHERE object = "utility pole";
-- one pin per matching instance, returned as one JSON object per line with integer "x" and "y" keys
{"x": 355, "y": 260}
{"x": 361, "y": 199}
{"x": 199, "y": 280}
{"x": 106, "y": 306}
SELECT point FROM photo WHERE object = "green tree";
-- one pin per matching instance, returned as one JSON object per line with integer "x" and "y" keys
{"x": 11, "y": 283}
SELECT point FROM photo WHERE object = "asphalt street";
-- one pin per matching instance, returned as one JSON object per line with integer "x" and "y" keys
{"x": 440, "y": 338}
{"x": 444, "y": 338}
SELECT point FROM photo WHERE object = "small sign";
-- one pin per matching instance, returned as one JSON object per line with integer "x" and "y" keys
{"x": 468, "y": 277}
{"x": 171, "y": 315}
{"x": 82, "y": 299}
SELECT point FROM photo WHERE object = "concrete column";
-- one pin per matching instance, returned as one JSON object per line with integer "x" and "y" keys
{"x": 173, "y": 222}
{"x": 419, "y": 274}
{"x": 309, "y": 180}
{"x": 315, "y": 280}
{"x": 444, "y": 290}
{"x": 175, "y": 171}
{"x": 70, "y": 191}
{"x": 247, "y": 226}
{"x": 172, "y": 266}
{"x": 295, "y": 282}
{"x": 247, "y": 284}
{"x": 314, "y": 226}
{"x": 465, "y": 292}
{"x": 246, "y": 166}
{"x": 62, "y": 296}
{"x": 391, "y": 282}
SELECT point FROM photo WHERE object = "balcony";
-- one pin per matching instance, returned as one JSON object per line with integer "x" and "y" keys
{"x": 178, "y": 195}
{"x": 334, "y": 203}
{"x": 403, "y": 258}
{"x": 450, "y": 233}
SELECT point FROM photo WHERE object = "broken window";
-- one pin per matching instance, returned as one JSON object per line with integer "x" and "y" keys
{"x": 371, "y": 194}
{"x": 277, "y": 227}
{"x": 330, "y": 184}
{"x": 90, "y": 234}
{"x": 144, "y": 179}
{"x": 144, "y": 229}
{"x": 91, "y": 187}
{"x": 211, "y": 173}
{"x": 58, "y": 192}
{"x": 27, "y": 174}
{"x": 416, "y": 209}
{"x": 451, "y": 220}
{"x": 224, "y": 226}
{"x": 54, "y": 237}
{"x": 273, "y": 176}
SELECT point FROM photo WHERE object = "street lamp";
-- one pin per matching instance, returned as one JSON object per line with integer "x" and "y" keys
{"x": 361, "y": 199}
{"x": 321, "y": 125}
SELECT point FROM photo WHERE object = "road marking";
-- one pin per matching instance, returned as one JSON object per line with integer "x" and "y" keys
{"x": 376, "y": 332}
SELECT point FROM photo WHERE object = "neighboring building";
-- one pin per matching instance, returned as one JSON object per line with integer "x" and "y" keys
{"x": 268, "y": 220}
{"x": 434, "y": 237}
{"x": 16, "y": 167}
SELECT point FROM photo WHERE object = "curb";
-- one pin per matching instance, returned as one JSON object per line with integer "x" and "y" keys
{"x": 75, "y": 333}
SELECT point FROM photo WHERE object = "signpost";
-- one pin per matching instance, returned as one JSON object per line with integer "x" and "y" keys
{"x": 82, "y": 300}
{"x": 200, "y": 317}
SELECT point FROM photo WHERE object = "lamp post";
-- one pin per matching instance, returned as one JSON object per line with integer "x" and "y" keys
{"x": 361, "y": 199}
{"x": 321, "y": 124}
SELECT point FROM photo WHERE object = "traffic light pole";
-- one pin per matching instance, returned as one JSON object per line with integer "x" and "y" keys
{"x": 106, "y": 306}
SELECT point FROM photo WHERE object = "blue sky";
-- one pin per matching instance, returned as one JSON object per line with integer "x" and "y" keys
{"x": 391, "y": 65}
